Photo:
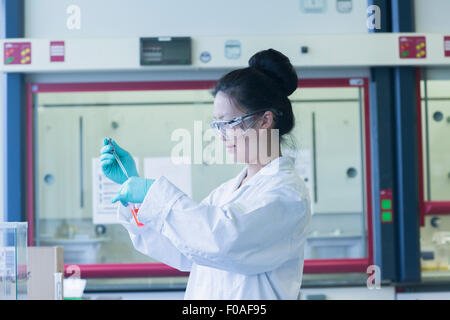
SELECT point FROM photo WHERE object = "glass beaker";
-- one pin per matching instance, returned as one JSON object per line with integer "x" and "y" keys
{"x": 442, "y": 245}
{"x": 13, "y": 260}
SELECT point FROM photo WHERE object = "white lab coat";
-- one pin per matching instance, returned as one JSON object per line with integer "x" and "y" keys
{"x": 244, "y": 243}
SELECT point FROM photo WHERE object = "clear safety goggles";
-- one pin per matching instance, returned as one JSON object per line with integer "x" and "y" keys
{"x": 222, "y": 126}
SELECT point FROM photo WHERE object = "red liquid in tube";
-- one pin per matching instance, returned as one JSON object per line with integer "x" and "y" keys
{"x": 135, "y": 212}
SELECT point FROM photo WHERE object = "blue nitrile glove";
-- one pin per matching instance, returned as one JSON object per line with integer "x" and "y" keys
{"x": 133, "y": 190}
{"x": 111, "y": 168}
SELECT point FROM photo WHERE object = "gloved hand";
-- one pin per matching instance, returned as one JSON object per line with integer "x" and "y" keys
{"x": 111, "y": 168}
{"x": 133, "y": 190}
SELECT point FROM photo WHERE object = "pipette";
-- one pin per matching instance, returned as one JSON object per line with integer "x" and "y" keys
{"x": 134, "y": 210}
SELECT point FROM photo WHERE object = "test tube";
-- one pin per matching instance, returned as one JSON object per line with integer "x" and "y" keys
{"x": 134, "y": 207}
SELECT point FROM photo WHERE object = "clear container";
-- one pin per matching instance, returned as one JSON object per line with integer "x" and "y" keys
{"x": 442, "y": 244}
{"x": 13, "y": 260}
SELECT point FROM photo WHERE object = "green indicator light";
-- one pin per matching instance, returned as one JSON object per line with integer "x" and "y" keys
{"x": 386, "y": 204}
{"x": 386, "y": 216}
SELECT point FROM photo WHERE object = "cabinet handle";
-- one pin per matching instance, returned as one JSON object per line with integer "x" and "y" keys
{"x": 314, "y": 157}
{"x": 81, "y": 163}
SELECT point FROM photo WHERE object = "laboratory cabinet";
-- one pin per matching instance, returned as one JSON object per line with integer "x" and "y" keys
{"x": 165, "y": 126}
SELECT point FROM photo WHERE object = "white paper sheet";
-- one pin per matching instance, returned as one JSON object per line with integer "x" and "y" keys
{"x": 176, "y": 170}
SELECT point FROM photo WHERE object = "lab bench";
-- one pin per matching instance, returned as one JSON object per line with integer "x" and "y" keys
{"x": 331, "y": 286}
{"x": 434, "y": 285}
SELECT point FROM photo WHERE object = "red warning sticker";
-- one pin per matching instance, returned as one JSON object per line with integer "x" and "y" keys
{"x": 413, "y": 47}
{"x": 57, "y": 51}
{"x": 447, "y": 46}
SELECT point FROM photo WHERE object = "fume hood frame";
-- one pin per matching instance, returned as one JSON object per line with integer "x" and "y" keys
{"x": 124, "y": 270}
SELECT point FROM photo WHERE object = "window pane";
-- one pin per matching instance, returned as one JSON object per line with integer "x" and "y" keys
{"x": 436, "y": 150}
{"x": 329, "y": 137}
{"x": 434, "y": 235}
{"x": 71, "y": 127}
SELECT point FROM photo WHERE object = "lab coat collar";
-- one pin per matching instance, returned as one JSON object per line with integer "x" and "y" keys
{"x": 270, "y": 169}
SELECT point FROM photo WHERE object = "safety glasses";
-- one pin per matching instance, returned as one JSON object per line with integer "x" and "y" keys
{"x": 239, "y": 122}
{"x": 222, "y": 126}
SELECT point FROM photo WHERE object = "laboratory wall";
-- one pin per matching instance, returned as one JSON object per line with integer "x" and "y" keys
{"x": 432, "y": 16}
{"x": 118, "y": 18}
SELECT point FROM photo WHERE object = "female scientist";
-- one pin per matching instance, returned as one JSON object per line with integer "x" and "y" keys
{"x": 246, "y": 239}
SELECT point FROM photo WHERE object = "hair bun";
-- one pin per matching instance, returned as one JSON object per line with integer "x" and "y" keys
{"x": 278, "y": 67}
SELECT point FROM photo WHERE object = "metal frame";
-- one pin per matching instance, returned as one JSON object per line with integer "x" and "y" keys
{"x": 407, "y": 176}
{"x": 13, "y": 113}
{"x": 406, "y": 188}
{"x": 162, "y": 270}
{"x": 396, "y": 130}
{"x": 381, "y": 95}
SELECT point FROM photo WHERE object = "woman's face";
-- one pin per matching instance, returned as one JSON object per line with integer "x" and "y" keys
{"x": 243, "y": 144}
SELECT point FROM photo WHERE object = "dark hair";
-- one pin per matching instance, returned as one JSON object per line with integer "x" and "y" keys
{"x": 265, "y": 84}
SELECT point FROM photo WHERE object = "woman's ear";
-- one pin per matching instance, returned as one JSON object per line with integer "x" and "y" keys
{"x": 267, "y": 120}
